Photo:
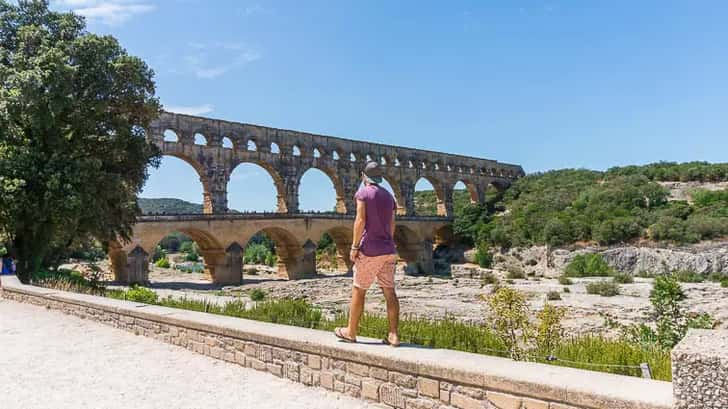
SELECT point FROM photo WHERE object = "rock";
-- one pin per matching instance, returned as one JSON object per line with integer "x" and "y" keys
{"x": 469, "y": 255}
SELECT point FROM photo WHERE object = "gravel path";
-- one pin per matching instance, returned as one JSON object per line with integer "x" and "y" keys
{"x": 51, "y": 360}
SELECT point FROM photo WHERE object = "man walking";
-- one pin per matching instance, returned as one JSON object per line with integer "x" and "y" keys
{"x": 373, "y": 253}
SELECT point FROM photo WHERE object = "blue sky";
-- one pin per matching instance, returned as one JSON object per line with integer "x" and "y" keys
{"x": 545, "y": 84}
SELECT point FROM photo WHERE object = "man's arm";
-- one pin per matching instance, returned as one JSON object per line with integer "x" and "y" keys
{"x": 394, "y": 227}
{"x": 359, "y": 223}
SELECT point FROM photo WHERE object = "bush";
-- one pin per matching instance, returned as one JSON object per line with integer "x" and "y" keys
{"x": 646, "y": 274}
{"x": 702, "y": 321}
{"x": 567, "y": 290}
{"x": 564, "y": 280}
{"x": 724, "y": 283}
{"x": 553, "y": 296}
{"x": 192, "y": 255}
{"x": 588, "y": 265}
{"x": 687, "y": 276}
{"x": 163, "y": 263}
{"x": 510, "y": 320}
{"x": 549, "y": 332}
{"x": 256, "y": 294}
{"x": 623, "y": 278}
{"x": 141, "y": 294}
{"x": 483, "y": 256}
{"x": 604, "y": 288}
{"x": 489, "y": 278}
{"x": 515, "y": 272}
{"x": 258, "y": 253}
{"x": 665, "y": 297}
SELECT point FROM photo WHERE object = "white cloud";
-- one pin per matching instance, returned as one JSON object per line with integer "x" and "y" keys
{"x": 109, "y": 12}
{"x": 226, "y": 56}
{"x": 190, "y": 110}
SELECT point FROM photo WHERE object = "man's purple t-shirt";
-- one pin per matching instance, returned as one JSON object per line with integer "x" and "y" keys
{"x": 377, "y": 238}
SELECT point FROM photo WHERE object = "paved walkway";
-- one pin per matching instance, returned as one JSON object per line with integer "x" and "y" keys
{"x": 51, "y": 360}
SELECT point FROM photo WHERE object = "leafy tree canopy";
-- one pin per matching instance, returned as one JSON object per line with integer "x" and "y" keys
{"x": 73, "y": 157}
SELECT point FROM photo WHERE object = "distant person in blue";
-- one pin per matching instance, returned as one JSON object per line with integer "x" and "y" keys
{"x": 8, "y": 266}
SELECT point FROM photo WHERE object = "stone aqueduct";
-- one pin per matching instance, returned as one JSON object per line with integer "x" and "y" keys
{"x": 286, "y": 155}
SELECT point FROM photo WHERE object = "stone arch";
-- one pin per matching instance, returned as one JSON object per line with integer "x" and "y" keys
{"x": 335, "y": 155}
{"x": 200, "y": 139}
{"x": 296, "y": 151}
{"x": 279, "y": 184}
{"x": 471, "y": 188}
{"x": 440, "y": 196}
{"x": 342, "y": 236}
{"x": 414, "y": 249}
{"x": 251, "y": 145}
{"x": 335, "y": 181}
{"x": 290, "y": 253}
{"x": 397, "y": 192}
{"x": 227, "y": 143}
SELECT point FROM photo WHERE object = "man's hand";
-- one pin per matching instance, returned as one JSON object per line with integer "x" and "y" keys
{"x": 353, "y": 254}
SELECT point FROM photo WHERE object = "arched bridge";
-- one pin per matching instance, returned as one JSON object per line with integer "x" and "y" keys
{"x": 215, "y": 147}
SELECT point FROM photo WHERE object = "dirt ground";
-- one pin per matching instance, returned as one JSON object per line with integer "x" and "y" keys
{"x": 462, "y": 298}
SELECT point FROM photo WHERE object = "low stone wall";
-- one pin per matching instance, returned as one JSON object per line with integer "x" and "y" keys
{"x": 408, "y": 377}
{"x": 700, "y": 370}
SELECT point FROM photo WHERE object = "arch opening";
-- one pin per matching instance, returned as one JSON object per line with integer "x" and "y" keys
{"x": 320, "y": 190}
{"x": 428, "y": 199}
{"x": 170, "y": 136}
{"x": 252, "y": 146}
{"x": 464, "y": 193}
{"x": 200, "y": 139}
{"x": 274, "y": 148}
{"x": 168, "y": 189}
{"x": 335, "y": 155}
{"x": 274, "y": 250}
{"x": 184, "y": 257}
{"x": 332, "y": 251}
{"x": 227, "y": 143}
{"x": 316, "y": 153}
{"x": 296, "y": 150}
{"x": 255, "y": 188}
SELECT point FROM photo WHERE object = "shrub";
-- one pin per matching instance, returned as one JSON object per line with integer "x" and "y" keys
{"x": 564, "y": 280}
{"x": 588, "y": 265}
{"x": 515, "y": 272}
{"x": 489, "y": 278}
{"x": 483, "y": 256}
{"x": 163, "y": 263}
{"x": 724, "y": 283}
{"x": 646, "y": 274}
{"x": 256, "y": 294}
{"x": 604, "y": 288}
{"x": 159, "y": 253}
{"x": 258, "y": 253}
{"x": 665, "y": 297}
{"x": 553, "y": 296}
{"x": 702, "y": 321}
{"x": 549, "y": 332}
{"x": 141, "y": 294}
{"x": 567, "y": 290}
{"x": 687, "y": 276}
{"x": 510, "y": 320}
{"x": 192, "y": 255}
{"x": 623, "y": 278}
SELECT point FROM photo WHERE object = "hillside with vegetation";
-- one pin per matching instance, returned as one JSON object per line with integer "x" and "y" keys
{"x": 168, "y": 206}
{"x": 620, "y": 205}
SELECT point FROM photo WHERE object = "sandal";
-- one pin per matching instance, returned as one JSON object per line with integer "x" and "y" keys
{"x": 338, "y": 331}
{"x": 385, "y": 341}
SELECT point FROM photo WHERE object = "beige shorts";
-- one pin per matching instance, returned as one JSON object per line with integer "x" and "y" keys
{"x": 381, "y": 268}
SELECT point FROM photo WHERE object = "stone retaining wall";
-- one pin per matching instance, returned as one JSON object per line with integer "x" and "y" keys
{"x": 405, "y": 378}
{"x": 700, "y": 370}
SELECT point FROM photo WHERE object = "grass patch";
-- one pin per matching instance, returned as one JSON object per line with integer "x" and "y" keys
{"x": 588, "y": 265}
{"x": 604, "y": 288}
{"x": 623, "y": 278}
{"x": 688, "y": 276}
{"x": 256, "y": 294}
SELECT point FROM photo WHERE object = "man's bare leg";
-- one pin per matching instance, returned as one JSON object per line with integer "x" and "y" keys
{"x": 356, "y": 308}
{"x": 392, "y": 315}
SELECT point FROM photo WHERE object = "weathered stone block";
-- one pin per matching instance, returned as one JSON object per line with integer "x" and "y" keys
{"x": 291, "y": 371}
{"x": 474, "y": 393}
{"x": 314, "y": 361}
{"x": 327, "y": 380}
{"x": 462, "y": 401}
{"x": 370, "y": 389}
{"x": 240, "y": 358}
{"x": 352, "y": 379}
{"x": 529, "y": 403}
{"x": 504, "y": 401}
{"x": 700, "y": 370}
{"x": 357, "y": 369}
{"x": 275, "y": 369}
{"x": 428, "y": 387}
{"x": 407, "y": 381}
{"x": 420, "y": 403}
{"x": 391, "y": 394}
{"x": 378, "y": 373}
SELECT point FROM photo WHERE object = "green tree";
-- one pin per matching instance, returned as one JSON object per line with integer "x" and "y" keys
{"x": 509, "y": 310}
{"x": 73, "y": 153}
